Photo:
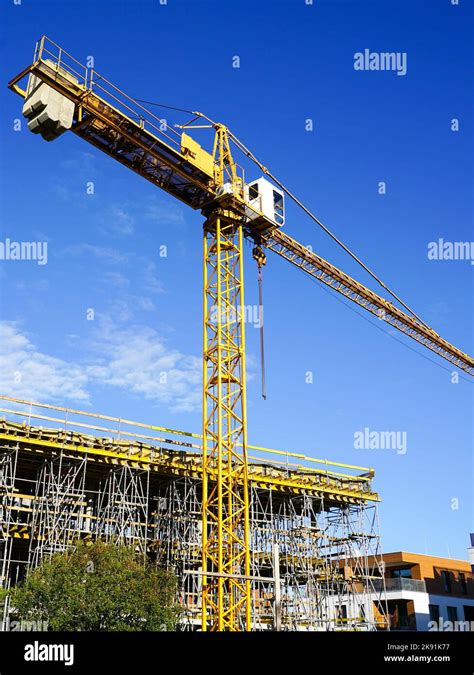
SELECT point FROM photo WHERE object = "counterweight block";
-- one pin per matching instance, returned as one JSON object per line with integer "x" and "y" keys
{"x": 49, "y": 113}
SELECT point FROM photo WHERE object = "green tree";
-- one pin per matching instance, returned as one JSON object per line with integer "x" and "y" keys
{"x": 98, "y": 587}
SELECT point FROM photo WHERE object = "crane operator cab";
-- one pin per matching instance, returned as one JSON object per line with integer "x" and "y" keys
{"x": 265, "y": 203}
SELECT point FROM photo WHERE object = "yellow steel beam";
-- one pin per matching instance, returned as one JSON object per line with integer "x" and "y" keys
{"x": 69, "y": 424}
{"x": 171, "y": 463}
{"x": 85, "y": 413}
{"x": 286, "y": 478}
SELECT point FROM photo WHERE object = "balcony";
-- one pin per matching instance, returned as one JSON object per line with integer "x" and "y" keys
{"x": 403, "y": 623}
{"x": 401, "y": 584}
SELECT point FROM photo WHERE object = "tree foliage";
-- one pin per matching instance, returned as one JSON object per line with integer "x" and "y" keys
{"x": 98, "y": 587}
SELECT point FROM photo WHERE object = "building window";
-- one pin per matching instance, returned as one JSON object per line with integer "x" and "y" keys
{"x": 452, "y": 614}
{"x": 341, "y": 612}
{"x": 462, "y": 581}
{"x": 447, "y": 581}
{"x": 402, "y": 574}
{"x": 469, "y": 613}
{"x": 434, "y": 612}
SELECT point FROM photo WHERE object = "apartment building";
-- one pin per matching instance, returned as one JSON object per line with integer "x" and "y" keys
{"x": 423, "y": 589}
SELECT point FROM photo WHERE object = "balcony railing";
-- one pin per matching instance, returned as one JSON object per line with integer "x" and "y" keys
{"x": 401, "y": 584}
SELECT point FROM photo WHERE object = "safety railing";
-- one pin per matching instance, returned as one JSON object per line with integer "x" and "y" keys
{"x": 119, "y": 430}
{"x": 51, "y": 53}
{"x": 401, "y": 584}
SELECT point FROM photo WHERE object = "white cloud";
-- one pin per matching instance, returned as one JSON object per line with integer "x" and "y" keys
{"x": 83, "y": 162}
{"x": 37, "y": 285}
{"x": 101, "y": 252}
{"x": 126, "y": 307}
{"x": 116, "y": 279}
{"x": 135, "y": 360}
{"x": 25, "y": 372}
{"x": 62, "y": 192}
{"x": 164, "y": 213}
{"x": 117, "y": 220}
{"x": 143, "y": 269}
{"x": 151, "y": 282}
{"x": 120, "y": 218}
{"x": 134, "y": 275}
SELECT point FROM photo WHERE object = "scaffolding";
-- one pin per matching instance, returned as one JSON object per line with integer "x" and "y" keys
{"x": 122, "y": 508}
{"x": 315, "y": 558}
{"x": 58, "y": 507}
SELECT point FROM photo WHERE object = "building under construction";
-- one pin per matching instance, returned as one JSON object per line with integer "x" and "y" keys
{"x": 68, "y": 475}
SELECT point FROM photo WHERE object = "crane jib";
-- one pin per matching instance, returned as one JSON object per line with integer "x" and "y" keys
{"x": 331, "y": 276}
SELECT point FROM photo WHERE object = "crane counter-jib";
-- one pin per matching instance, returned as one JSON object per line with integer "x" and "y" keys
{"x": 121, "y": 127}
{"x": 144, "y": 144}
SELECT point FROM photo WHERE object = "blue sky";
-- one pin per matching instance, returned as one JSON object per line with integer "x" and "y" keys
{"x": 296, "y": 62}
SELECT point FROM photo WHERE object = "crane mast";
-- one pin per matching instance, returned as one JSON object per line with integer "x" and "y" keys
{"x": 226, "y": 549}
{"x": 225, "y": 510}
{"x": 119, "y": 126}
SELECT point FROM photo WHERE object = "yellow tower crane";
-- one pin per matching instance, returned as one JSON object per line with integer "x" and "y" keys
{"x": 61, "y": 94}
